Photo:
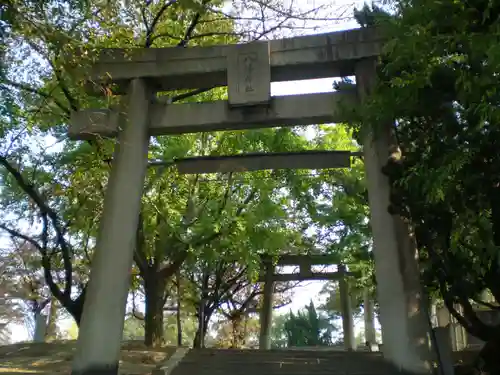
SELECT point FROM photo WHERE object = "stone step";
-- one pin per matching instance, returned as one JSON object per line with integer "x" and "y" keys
{"x": 285, "y": 361}
{"x": 243, "y": 355}
{"x": 298, "y": 357}
{"x": 286, "y": 366}
{"x": 263, "y": 370}
{"x": 281, "y": 362}
{"x": 285, "y": 353}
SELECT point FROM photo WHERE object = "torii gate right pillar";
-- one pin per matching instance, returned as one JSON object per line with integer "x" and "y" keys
{"x": 405, "y": 327}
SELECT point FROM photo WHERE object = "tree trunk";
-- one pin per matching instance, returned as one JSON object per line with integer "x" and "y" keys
{"x": 245, "y": 329}
{"x": 199, "y": 338}
{"x": 154, "y": 290}
{"x": 197, "y": 343}
{"x": 238, "y": 331}
{"x": 73, "y": 307}
{"x": 76, "y": 309}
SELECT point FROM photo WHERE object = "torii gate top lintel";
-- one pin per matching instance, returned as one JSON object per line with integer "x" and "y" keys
{"x": 246, "y": 69}
{"x": 305, "y": 263}
{"x": 303, "y": 57}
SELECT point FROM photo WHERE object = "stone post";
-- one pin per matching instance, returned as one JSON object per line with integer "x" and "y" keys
{"x": 405, "y": 326}
{"x": 266, "y": 313}
{"x": 100, "y": 334}
{"x": 442, "y": 335}
{"x": 51, "y": 333}
{"x": 40, "y": 327}
{"x": 345, "y": 305}
{"x": 433, "y": 313}
{"x": 369, "y": 316}
{"x": 459, "y": 334}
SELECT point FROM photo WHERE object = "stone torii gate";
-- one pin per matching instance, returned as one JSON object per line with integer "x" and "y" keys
{"x": 247, "y": 70}
{"x": 269, "y": 276}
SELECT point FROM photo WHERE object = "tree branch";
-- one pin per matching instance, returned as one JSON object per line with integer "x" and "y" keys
{"x": 151, "y": 29}
{"x": 45, "y": 210}
{"x": 196, "y": 36}
{"x": 39, "y": 92}
{"x": 194, "y": 22}
{"x": 73, "y": 103}
{"x": 24, "y": 237}
{"x": 168, "y": 271}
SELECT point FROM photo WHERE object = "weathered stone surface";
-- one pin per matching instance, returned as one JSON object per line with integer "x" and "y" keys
{"x": 167, "y": 119}
{"x": 369, "y": 317}
{"x": 403, "y": 314}
{"x": 304, "y": 57}
{"x": 312, "y": 259}
{"x": 266, "y": 314}
{"x": 346, "y": 311}
{"x": 91, "y": 123}
{"x": 249, "y": 74}
{"x": 258, "y": 162}
{"x": 101, "y": 326}
{"x": 285, "y": 277}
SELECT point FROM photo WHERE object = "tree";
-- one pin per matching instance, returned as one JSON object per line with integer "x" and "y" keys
{"x": 244, "y": 336}
{"x": 332, "y": 305}
{"x": 278, "y": 197}
{"x": 56, "y": 193}
{"x": 25, "y": 295}
{"x": 133, "y": 328}
{"x": 340, "y": 217}
{"x": 228, "y": 291}
{"x": 71, "y": 332}
{"x": 438, "y": 79}
{"x": 308, "y": 328}
{"x": 42, "y": 107}
{"x": 279, "y": 338}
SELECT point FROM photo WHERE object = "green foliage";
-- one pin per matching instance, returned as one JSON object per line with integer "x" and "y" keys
{"x": 279, "y": 338}
{"x": 134, "y": 329}
{"x": 308, "y": 328}
{"x": 332, "y": 305}
{"x": 52, "y": 189}
{"x": 340, "y": 211}
{"x": 242, "y": 333}
{"x": 49, "y": 48}
{"x": 438, "y": 79}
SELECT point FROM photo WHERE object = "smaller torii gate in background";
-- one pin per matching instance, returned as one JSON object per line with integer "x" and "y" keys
{"x": 305, "y": 262}
{"x": 247, "y": 70}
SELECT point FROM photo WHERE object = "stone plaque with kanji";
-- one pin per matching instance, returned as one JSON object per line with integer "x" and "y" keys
{"x": 249, "y": 74}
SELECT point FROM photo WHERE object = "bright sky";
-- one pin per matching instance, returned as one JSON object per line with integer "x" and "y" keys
{"x": 309, "y": 290}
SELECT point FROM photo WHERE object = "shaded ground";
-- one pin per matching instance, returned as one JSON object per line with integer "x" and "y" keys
{"x": 55, "y": 358}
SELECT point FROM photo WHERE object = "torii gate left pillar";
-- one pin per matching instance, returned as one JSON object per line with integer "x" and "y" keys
{"x": 101, "y": 328}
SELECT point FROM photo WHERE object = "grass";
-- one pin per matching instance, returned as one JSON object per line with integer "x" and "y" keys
{"x": 55, "y": 358}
